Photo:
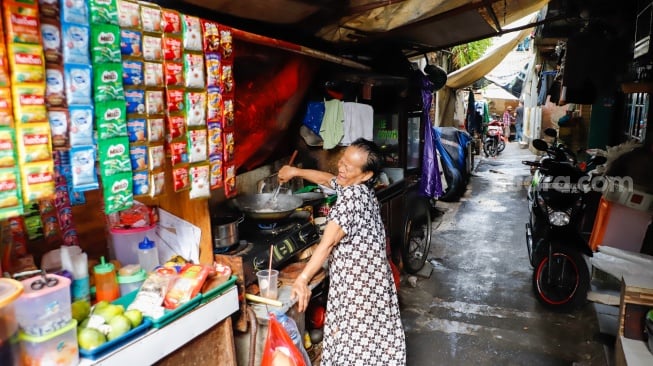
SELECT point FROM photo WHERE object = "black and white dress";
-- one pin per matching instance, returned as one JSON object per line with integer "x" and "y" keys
{"x": 363, "y": 324}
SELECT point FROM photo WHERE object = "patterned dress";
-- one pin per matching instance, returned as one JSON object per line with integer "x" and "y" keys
{"x": 363, "y": 324}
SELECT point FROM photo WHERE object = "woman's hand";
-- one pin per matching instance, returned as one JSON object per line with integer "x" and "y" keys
{"x": 301, "y": 293}
{"x": 287, "y": 173}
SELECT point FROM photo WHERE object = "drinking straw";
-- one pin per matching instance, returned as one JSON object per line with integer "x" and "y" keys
{"x": 270, "y": 271}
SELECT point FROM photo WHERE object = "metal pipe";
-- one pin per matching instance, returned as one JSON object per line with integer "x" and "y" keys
{"x": 251, "y": 316}
{"x": 293, "y": 47}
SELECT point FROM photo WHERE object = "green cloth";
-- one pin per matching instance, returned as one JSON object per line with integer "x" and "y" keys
{"x": 332, "y": 130}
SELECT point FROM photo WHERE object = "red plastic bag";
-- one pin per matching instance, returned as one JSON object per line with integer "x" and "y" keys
{"x": 279, "y": 348}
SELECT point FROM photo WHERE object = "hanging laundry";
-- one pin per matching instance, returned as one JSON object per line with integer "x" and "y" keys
{"x": 332, "y": 128}
{"x": 358, "y": 122}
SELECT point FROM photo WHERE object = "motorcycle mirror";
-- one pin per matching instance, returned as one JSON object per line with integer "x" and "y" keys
{"x": 551, "y": 132}
{"x": 540, "y": 145}
{"x": 598, "y": 160}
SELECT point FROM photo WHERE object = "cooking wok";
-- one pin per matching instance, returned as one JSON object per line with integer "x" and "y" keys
{"x": 262, "y": 207}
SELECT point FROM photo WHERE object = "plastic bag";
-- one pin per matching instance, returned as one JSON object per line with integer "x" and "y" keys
{"x": 279, "y": 349}
{"x": 313, "y": 116}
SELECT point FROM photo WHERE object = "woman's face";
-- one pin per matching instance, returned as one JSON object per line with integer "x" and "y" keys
{"x": 350, "y": 166}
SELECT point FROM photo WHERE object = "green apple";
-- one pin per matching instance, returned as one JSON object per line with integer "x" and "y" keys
{"x": 135, "y": 317}
{"x": 90, "y": 338}
{"x": 119, "y": 325}
{"x": 80, "y": 310}
{"x": 108, "y": 312}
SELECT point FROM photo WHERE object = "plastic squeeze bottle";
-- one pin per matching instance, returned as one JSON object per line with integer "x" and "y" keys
{"x": 106, "y": 283}
{"x": 148, "y": 255}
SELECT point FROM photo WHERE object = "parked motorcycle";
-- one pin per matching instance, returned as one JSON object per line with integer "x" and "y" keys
{"x": 560, "y": 217}
{"x": 494, "y": 141}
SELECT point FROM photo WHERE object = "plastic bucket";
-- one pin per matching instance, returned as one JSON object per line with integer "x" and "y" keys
{"x": 123, "y": 243}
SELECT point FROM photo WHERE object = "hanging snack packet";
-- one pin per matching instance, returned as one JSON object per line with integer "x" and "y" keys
{"x": 155, "y": 129}
{"x": 82, "y": 159}
{"x": 34, "y": 142}
{"x": 107, "y": 82}
{"x": 150, "y": 18}
{"x": 211, "y": 36}
{"x": 192, "y": 33}
{"x": 194, "y": 70}
{"x": 9, "y": 191}
{"x": 171, "y": 21}
{"x": 156, "y": 156}
{"x": 176, "y": 126}
{"x": 172, "y": 47}
{"x": 78, "y": 84}
{"x": 215, "y": 139}
{"x": 136, "y": 129}
{"x": 214, "y": 105}
{"x": 111, "y": 119}
{"x": 51, "y": 34}
{"x": 55, "y": 91}
{"x": 175, "y": 100}
{"x": 153, "y": 74}
{"x": 230, "y": 181}
{"x": 135, "y": 100}
{"x": 180, "y": 179}
{"x": 103, "y": 11}
{"x": 21, "y": 22}
{"x": 7, "y": 148}
{"x": 29, "y": 103}
{"x": 132, "y": 72}
{"x": 197, "y": 146}
{"x": 195, "y": 109}
{"x": 213, "y": 70}
{"x": 154, "y": 102}
{"x": 131, "y": 43}
{"x": 129, "y": 14}
{"x": 6, "y": 110}
{"x": 157, "y": 183}
{"x": 174, "y": 73}
{"x": 118, "y": 193}
{"x": 81, "y": 125}
{"x": 105, "y": 43}
{"x": 114, "y": 156}
{"x": 226, "y": 45}
{"x": 215, "y": 172}
{"x": 152, "y": 48}
{"x": 38, "y": 180}
{"x": 58, "y": 118}
{"x": 27, "y": 63}
{"x": 138, "y": 157}
{"x": 228, "y": 147}
{"x": 50, "y": 9}
{"x": 199, "y": 181}
{"x": 74, "y": 11}
{"x": 75, "y": 43}
{"x": 228, "y": 113}
{"x": 178, "y": 152}
{"x": 227, "y": 79}
{"x": 141, "y": 183}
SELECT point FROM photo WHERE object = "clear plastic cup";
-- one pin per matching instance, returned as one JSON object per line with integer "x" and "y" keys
{"x": 267, "y": 283}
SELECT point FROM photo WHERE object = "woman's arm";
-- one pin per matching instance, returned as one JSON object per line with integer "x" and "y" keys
{"x": 288, "y": 172}
{"x": 300, "y": 291}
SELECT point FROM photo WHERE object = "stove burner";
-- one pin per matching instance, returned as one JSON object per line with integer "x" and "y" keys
{"x": 269, "y": 226}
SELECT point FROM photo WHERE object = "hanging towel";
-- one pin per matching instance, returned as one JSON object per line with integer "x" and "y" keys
{"x": 331, "y": 130}
{"x": 359, "y": 122}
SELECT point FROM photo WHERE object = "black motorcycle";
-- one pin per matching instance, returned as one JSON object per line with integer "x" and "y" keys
{"x": 561, "y": 211}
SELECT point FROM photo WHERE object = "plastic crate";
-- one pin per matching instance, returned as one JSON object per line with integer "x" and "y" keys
{"x": 219, "y": 290}
{"x": 113, "y": 344}
{"x": 169, "y": 315}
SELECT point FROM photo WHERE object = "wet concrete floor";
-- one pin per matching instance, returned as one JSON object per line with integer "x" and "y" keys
{"x": 476, "y": 306}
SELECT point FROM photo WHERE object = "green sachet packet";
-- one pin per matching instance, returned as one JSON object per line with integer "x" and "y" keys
{"x": 114, "y": 156}
{"x": 104, "y": 11}
{"x": 105, "y": 43}
{"x": 117, "y": 191}
{"x": 111, "y": 119}
{"x": 107, "y": 82}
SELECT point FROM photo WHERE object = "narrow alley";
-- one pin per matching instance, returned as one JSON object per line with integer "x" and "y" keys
{"x": 477, "y": 306}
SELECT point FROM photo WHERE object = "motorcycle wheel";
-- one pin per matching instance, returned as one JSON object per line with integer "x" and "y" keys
{"x": 561, "y": 284}
{"x": 417, "y": 238}
{"x": 502, "y": 146}
{"x": 490, "y": 148}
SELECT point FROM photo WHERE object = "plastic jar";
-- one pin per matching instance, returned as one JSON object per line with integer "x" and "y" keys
{"x": 106, "y": 283}
{"x": 132, "y": 282}
{"x": 148, "y": 256}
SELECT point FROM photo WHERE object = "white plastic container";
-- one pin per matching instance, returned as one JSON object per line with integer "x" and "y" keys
{"x": 123, "y": 243}
{"x": 131, "y": 282}
{"x": 10, "y": 290}
{"x": 57, "y": 348}
{"x": 148, "y": 255}
{"x": 44, "y": 306}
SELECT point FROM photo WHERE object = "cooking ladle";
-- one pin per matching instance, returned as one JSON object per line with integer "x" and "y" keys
{"x": 276, "y": 191}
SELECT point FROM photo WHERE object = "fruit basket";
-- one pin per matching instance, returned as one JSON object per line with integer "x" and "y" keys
{"x": 169, "y": 315}
{"x": 117, "y": 342}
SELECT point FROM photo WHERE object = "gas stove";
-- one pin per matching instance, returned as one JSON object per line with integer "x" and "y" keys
{"x": 287, "y": 238}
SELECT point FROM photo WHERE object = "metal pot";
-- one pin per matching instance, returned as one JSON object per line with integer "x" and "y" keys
{"x": 262, "y": 206}
{"x": 225, "y": 230}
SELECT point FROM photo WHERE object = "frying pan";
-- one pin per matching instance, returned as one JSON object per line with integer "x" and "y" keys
{"x": 262, "y": 207}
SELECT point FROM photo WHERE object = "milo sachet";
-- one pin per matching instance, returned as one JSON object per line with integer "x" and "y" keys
{"x": 114, "y": 156}
{"x": 105, "y": 43}
{"x": 107, "y": 82}
{"x": 111, "y": 119}
{"x": 118, "y": 193}
{"x": 104, "y": 11}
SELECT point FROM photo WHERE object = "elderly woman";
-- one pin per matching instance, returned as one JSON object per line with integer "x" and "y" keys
{"x": 363, "y": 324}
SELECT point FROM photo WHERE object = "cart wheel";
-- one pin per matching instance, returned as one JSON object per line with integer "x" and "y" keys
{"x": 417, "y": 237}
